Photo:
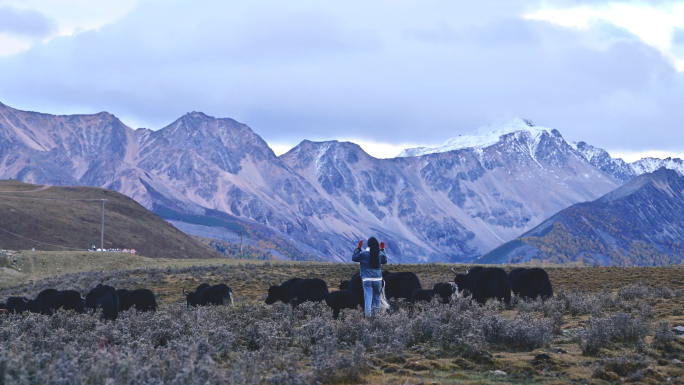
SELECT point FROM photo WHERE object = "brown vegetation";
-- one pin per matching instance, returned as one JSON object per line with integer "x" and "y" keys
{"x": 604, "y": 325}
{"x": 59, "y": 219}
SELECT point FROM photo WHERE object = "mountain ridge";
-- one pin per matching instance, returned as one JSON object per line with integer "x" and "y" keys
{"x": 445, "y": 206}
{"x": 638, "y": 223}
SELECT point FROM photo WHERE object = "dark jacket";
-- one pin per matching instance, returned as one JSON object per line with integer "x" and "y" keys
{"x": 364, "y": 258}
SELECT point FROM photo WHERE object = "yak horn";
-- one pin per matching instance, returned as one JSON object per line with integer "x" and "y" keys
{"x": 270, "y": 284}
{"x": 184, "y": 292}
{"x": 24, "y": 299}
{"x": 454, "y": 271}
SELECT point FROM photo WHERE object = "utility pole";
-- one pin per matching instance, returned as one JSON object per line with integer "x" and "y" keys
{"x": 102, "y": 232}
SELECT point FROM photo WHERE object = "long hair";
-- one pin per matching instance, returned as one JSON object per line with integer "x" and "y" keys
{"x": 374, "y": 262}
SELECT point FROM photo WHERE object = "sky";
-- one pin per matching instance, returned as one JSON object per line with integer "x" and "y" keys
{"x": 387, "y": 75}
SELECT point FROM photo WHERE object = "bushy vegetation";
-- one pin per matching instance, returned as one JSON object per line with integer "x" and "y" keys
{"x": 255, "y": 343}
{"x": 234, "y": 250}
{"x": 266, "y": 238}
{"x": 622, "y": 244}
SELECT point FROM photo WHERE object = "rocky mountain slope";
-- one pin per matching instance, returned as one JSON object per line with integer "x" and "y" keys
{"x": 621, "y": 170}
{"x": 62, "y": 218}
{"x": 197, "y": 165}
{"x": 450, "y": 205}
{"x": 638, "y": 224}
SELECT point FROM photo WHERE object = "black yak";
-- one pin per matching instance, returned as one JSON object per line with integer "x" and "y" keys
{"x": 216, "y": 295}
{"x": 338, "y": 300}
{"x": 484, "y": 283}
{"x": 397, "y": 285}
{"x": 192, "y": 298}
{"x": 16, "y": 305}
{"x": 445, "y": 291}
{"x": 50, "y": 300}
{"x": 530, "y": 283}
{"x": 142, "y": 299}
{"x": 421, "y": 296}
{"x": 304, "y": 290}
{"x": 103, "y": 297}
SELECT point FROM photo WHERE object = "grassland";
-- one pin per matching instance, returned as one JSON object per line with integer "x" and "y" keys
{"x": 68, "y": 218}
{"x": 605, "y": 325}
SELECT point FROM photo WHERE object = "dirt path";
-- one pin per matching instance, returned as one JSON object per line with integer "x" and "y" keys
{"x": 33, "y": 267}
{"x": 41, "y": 188}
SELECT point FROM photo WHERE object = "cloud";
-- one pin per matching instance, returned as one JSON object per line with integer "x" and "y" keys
{"x": 678, "y": 36}
{"x": 383, "y": 72}
{"x": 28, "y": 23}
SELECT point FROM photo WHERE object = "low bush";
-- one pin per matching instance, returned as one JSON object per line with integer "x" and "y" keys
{"x": 601, "y": 332}
{"x": 251, "y": 342}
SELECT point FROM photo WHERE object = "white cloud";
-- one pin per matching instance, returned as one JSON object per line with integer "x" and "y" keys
{"x": 375, "y": 149}
{"x": 383, "y": 150}
{"x": 280, "y": 148}
{"x": 71, "y": 17}
{"x": 632, "y": 156}
{"x": 10, "y": 44}
{"x": 307, "y": 71}
{"x": 654, "y": 25}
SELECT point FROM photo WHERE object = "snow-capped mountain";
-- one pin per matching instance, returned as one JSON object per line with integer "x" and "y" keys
{"x": 453, "y": 203}
{"x": 489, "y": 135}
{"x": 482, "y": 137}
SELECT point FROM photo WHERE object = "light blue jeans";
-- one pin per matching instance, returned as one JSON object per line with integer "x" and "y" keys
{"x": 372, "y": 290}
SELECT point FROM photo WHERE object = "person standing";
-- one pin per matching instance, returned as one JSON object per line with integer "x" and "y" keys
{"x": 370, "y": 271}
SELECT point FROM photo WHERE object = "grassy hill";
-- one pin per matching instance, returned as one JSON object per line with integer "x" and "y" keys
{"x": 63, "y": 218}
{"x": 638, "y": 224}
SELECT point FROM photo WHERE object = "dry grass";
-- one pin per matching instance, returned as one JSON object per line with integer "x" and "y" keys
{"x": 559, "y": 360}
{"x": 63, "y": 218}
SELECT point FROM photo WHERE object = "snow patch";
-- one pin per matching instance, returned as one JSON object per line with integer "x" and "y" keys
{"x": 647, "y": 165}
{"x": 484, "y": 137}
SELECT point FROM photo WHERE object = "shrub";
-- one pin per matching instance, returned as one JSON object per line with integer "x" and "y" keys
{"x": 663, "y": 335}
{"x": 617, "y": 328}
{"x": 632, "y": 292}
{"x": 331, "y": 365}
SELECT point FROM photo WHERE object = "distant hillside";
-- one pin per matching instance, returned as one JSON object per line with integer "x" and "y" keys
{"x": 220, "y": 231}
{"x": 234, "y": 251}
{"x": 451, "y": 203}
{"x": 58, "y": 218}
{"x": 638, "y": 224}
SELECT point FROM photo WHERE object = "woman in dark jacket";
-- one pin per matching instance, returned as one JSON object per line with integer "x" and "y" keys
{"x": 371, "y": 273}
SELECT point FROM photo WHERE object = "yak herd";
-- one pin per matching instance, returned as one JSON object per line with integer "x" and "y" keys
{"x": 479, "y": 282}
{"x": 102, "y": 297}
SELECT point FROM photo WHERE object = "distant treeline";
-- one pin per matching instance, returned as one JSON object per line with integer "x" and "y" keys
{"x": 260, "y": 252}
{"x": 559, "y": 246}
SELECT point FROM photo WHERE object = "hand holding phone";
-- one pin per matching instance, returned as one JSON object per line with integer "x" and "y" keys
{"x": 382, "y": 245}
{"x": 360, "y": 244}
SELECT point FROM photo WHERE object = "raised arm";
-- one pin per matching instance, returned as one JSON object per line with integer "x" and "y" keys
{"x": 383, "y": 256}
{"x": 356, "y": 257}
